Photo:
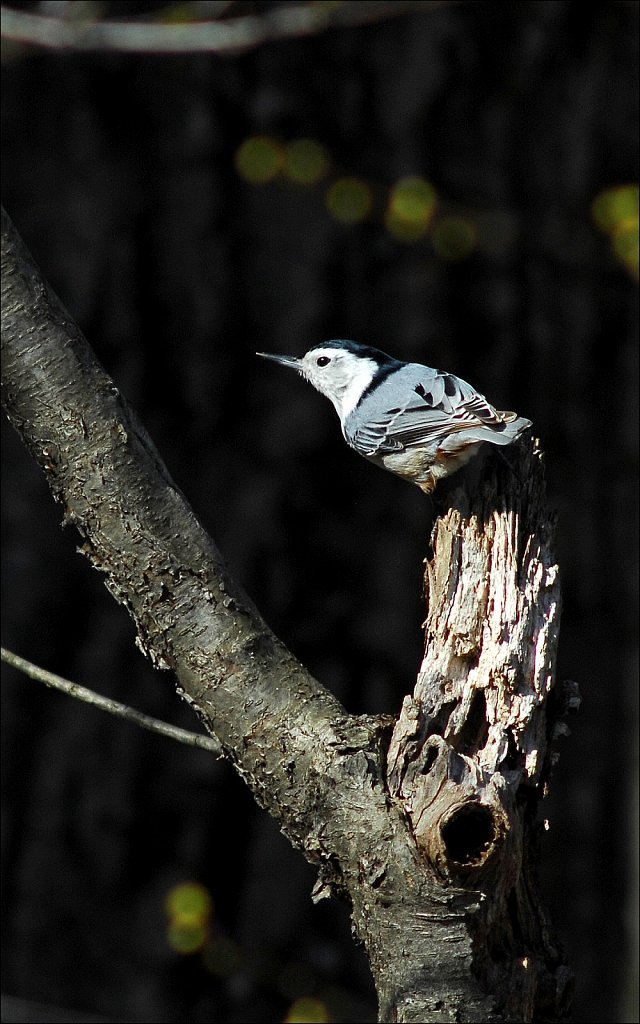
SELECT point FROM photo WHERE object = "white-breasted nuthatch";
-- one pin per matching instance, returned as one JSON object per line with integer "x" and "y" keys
{"x": 420, "y": 423}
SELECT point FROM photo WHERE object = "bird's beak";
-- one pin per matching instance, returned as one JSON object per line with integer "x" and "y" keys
{"x": 283, "y": 360}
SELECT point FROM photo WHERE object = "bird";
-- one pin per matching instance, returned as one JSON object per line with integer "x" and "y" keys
{"x": 420, "y": 423}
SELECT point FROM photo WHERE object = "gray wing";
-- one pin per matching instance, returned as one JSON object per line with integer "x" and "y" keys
{"x": 436, "y": 410}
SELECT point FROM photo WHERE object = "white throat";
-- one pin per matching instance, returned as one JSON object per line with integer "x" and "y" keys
{"x": 343, "y": 382}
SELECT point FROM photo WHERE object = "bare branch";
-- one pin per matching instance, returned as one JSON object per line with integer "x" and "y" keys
{"x": 113, "y": 707}
{"x": 231, "y": 36}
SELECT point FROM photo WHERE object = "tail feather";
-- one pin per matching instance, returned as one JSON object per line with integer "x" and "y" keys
{"x": 512, "y": 429}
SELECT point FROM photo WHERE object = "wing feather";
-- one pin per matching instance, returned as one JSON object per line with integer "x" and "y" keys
{"x": 435, "y": 408}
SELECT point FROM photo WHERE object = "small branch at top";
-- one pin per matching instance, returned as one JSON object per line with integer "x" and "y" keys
{"x": 230, "y": 36}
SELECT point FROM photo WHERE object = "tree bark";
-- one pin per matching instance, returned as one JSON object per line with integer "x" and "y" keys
{"x": 435, "y": 847}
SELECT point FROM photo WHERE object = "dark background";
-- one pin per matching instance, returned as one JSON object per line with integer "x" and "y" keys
{"x": 119, "y": 173}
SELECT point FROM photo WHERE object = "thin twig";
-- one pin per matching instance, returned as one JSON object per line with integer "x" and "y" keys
{"x": 114, "y": 707}
{"x": 230, "y": 36}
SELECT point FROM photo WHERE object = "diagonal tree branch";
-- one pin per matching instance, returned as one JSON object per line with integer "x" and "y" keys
{"x": 113, "y": 707}
{"x": 436, "y": 860}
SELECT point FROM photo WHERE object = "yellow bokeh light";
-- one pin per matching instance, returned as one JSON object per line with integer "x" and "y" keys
{"x": 410, "y": 208}
{"x": 453, "y": 238}
{"x": 615, "y": 211}
{"x": 259, "y": 159}
{"x": 307, "y": 1011}
{"x": 626, "y": 246}
{"x": 615, "y": 206}
{"x": 413, "y": 199}
{"x": 189, "y": 907}
{"x": 187, "y": 938}
{"x": 349, "y": 200}
{"x": 403, "y": 230}
{"x": 305, "y": 161}
{"x": 189, "y": 900}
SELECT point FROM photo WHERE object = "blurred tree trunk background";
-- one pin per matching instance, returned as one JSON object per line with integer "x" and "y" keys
{"x": 163, "y": 198}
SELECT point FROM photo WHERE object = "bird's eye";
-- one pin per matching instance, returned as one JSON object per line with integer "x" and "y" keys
{"x": 322, "y": 360}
